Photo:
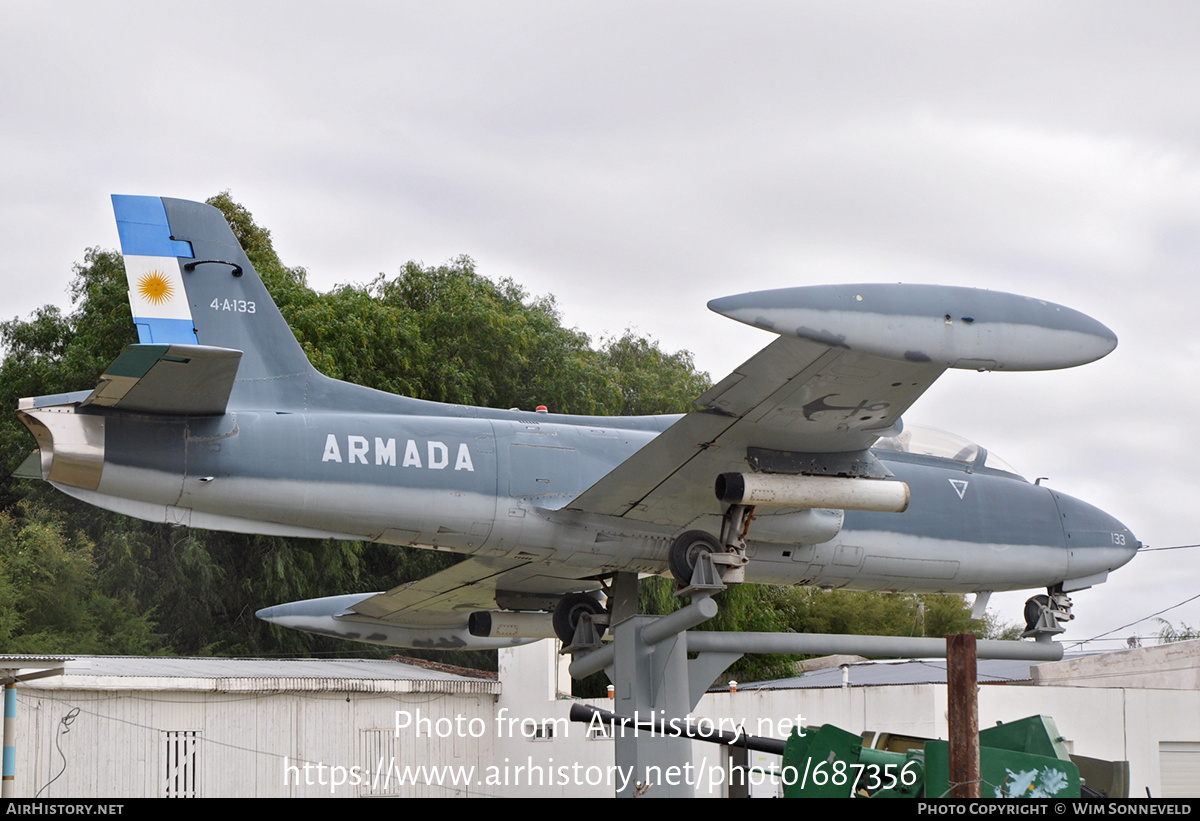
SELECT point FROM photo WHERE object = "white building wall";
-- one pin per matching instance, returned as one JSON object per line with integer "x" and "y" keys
{"x": 115, "y": 747}
{"x": 536, "y": 686}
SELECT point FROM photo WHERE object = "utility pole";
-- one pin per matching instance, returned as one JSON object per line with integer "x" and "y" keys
{"x": 962, "y": 693}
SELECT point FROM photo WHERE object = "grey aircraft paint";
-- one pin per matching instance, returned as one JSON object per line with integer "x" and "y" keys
{"x": 547, "y": 504}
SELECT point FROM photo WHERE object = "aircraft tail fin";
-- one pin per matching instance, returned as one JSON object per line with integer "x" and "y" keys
{"x": 190, "y": 283}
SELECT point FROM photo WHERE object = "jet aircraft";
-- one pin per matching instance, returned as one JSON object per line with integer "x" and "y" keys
{"x": 795, "y": 469}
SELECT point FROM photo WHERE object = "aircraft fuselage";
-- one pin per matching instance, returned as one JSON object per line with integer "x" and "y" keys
{"x": 495, "y": 483}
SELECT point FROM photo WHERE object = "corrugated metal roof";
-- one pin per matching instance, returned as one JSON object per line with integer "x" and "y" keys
{"x": 30, "y": 662}
{"x": 257, "y": 675}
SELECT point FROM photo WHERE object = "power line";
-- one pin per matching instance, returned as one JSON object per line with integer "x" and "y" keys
{"x": 1139, "y": 621}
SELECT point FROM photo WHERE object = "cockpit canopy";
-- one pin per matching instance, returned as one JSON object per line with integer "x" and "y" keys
{"x": 940, "y": 444}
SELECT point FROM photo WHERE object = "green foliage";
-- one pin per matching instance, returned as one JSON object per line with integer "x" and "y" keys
{"x": 53, "y": 353}
{"x": 759, "y": 608}
{"x": 650, "y": 380}
{"x": 449, "y": 334}
{"x": 1171, "y": 633}
{"x": 284, "y": 284}
{"x": 882, "y": 614}
{"x": 744, "y": 607}
{"x": 996, "y": 628}
{"x": 51, "y": 601}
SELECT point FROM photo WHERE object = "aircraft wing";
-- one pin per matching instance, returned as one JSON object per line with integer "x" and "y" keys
{"x": 797, "y": 406}
{"x": 849, "y": 361}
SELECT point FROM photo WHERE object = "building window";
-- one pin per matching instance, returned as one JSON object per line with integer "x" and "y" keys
{"x": 180, "y": 764}
{"x": 599, "y": 731}
{"x": 381, "y": 773}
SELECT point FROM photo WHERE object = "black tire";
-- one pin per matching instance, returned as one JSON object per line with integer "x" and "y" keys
{"x": 567, "y": 612}
{"x": 686, "y": 551}
{"x": 1033, "y": 610}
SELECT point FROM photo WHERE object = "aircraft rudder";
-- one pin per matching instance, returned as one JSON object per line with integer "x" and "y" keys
{"x": 157, "y": 296}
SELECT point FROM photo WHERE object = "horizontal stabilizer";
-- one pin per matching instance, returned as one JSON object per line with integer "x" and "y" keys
{"x": 192, "y": 380}
{"x": 53, "y": 400}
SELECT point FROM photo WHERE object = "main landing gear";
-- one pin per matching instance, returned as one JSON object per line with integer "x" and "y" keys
{"x": 569, "y": 612}
{"x": 700, "y": 561}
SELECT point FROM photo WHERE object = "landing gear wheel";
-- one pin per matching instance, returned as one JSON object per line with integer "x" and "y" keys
{"x": 687, "y": 550}
{"x": 1033, "y": 611}
{"x": 567, "y": 612}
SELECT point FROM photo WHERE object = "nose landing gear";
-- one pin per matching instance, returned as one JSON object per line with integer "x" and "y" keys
{"x": 1045, "y": 614}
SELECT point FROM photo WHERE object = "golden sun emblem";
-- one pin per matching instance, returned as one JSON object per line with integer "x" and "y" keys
{"x": 155, "y": 288}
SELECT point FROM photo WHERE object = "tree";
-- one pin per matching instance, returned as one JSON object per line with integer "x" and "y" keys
{"x": 1171, "y": 633}
{"x": 51, "y": 602}
{"x": 649, "y": 379}
{"x": 53, "y": 353}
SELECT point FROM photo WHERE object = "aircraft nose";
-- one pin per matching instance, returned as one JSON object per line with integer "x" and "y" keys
{"x": 1097, "y": 543}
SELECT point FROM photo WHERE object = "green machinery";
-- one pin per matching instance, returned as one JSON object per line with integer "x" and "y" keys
{"x": 1020, "y": 759}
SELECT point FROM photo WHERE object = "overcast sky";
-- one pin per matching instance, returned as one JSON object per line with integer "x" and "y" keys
{"x": 638, "y": 159}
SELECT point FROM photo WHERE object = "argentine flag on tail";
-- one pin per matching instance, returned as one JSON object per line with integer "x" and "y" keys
{"x": 157, "y": 295}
